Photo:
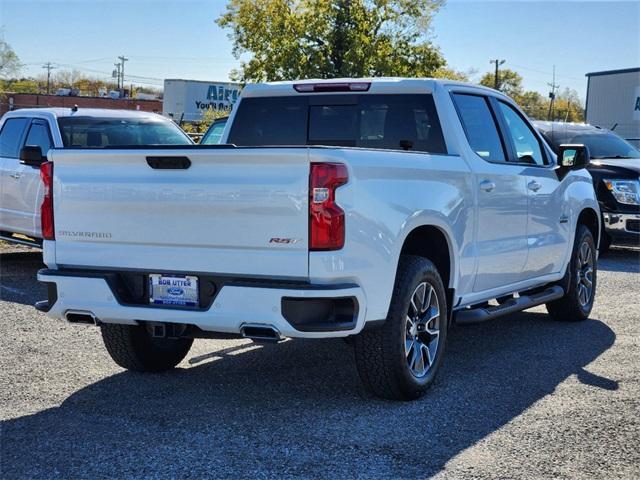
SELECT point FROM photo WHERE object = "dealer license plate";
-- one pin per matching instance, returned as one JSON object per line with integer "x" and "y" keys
{"x": 173, "y": 290}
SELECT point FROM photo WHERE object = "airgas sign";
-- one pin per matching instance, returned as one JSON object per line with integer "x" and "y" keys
{"x": 187, "y": 100}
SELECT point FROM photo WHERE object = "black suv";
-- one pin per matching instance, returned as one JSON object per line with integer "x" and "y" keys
{"x": 615, "y": 168}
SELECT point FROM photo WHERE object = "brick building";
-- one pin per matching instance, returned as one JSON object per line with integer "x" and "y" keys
{"x": 14, "y": 101}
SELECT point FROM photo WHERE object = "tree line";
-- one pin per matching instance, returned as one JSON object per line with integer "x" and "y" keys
{"x": 290, "y": 39}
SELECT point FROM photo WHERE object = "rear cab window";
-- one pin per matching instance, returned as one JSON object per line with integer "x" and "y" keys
{"x": 11, "y": 136}
{"x": 390, "y": 122}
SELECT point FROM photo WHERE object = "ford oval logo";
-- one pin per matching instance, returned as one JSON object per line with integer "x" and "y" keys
{"x": 175, "y": 291}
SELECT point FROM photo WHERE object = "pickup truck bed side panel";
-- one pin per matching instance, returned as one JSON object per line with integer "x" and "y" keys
{"x": 219, "y": 215}
{"x": 388, "y": 195}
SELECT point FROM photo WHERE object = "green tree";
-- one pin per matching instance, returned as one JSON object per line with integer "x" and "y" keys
{"x": 444, "y": 72}
{"x": 291, "y": 39}
{"x": 23, "y": 85}
{"x": 509, "y": 82}
{"x": 534, "y": 104}
{"x": 567, "y": 107}
{"x": 10, "y": 65}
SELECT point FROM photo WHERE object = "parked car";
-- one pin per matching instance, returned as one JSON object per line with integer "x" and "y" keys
{"x": 27, "y": 135}
{"x": 615, "y": 168}
{"x": 213, "y": 135}
{"x": 379, "y": 209}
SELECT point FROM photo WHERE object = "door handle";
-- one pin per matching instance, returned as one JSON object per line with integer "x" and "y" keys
{"x": 534, "y": 186}
{"x": 15, "y": 175}
{"x": 487, "y": 185}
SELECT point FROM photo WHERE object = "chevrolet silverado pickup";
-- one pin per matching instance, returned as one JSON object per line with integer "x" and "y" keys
{"x": 384, "y": 210}
{"x": 27, "y": 134}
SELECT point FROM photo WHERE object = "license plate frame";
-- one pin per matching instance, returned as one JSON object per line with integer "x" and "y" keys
{"x": 174, "y": 290}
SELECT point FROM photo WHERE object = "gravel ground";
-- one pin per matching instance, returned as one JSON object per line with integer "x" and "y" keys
{"x": 520, "y": 397}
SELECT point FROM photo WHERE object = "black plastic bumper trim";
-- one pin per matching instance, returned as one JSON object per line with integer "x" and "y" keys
{"x": 320, "y": 314}
{"x": 52, "y": 298}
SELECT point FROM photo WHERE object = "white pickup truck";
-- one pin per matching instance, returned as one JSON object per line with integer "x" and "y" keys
{"x": 27, "y": 134}
{"x": 378, "y": 209}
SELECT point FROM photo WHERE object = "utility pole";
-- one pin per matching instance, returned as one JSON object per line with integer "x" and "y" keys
{"x": 496, "y": 78}
{"x": 552, "y": 94}
{"x": 48, "y": 66}
{"x": 122, "y": 60}
{"x": 116, "y": 74}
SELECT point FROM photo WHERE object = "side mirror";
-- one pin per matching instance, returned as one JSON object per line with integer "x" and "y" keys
{"x": 32, "y": 155}
{"x": 573, "y": 157}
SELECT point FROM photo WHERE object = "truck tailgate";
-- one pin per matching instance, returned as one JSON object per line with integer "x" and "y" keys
{"x": 233, "y": 211}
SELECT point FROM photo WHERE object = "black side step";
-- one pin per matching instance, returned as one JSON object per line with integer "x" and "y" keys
{"x": 482, "y": 314}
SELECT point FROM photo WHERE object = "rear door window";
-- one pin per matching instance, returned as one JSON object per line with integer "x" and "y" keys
{"x": 11, "y": 137}
{"x": 391, "y": 122}
{"x": 39, "y": 136}
{"x": 480, "y": 126}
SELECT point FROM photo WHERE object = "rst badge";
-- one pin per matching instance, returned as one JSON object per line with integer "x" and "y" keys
{"x": 284, "y": 241}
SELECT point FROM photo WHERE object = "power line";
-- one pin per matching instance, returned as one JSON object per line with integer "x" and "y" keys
{"x": 545, "y": 73}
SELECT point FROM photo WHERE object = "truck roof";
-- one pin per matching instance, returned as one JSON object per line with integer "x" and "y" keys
{"x": 58, "y": 112}
{"x": 377, "y": 85}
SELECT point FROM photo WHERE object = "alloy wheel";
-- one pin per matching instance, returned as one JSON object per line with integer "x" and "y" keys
{"x": 585, "y": 266}
{"x": 422, "y": 329}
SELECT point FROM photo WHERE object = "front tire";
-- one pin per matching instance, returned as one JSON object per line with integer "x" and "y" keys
{"x": 400, "y": 359}
{"x": 133, "y": 348}
{"x": 577, "y": 302}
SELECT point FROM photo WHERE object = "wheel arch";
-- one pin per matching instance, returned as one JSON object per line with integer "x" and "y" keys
{"x": 590, "y": 219}
{"x": 433, "y": 243}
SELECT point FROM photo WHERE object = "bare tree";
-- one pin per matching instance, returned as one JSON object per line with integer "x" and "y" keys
{"x": 9, "y": 62}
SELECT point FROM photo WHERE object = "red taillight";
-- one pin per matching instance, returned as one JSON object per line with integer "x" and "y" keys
{"x": 326, "y": 218}
{"x": 46, "y": 209}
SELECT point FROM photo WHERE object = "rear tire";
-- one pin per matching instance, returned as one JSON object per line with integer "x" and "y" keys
{"x": 133, "y": 348}
{"x": 577, "y": 302}
{"x": 399, "y": 360}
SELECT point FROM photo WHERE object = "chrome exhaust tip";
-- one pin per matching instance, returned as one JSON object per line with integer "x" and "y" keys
{"x": 80, "y": 316}
{"x": 260, "y": 332}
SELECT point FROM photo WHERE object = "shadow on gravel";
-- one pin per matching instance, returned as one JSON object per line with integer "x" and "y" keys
{"x": 18, "y": 282}
{"x": 297, "y": 409}
{"x": 626, "y": 260}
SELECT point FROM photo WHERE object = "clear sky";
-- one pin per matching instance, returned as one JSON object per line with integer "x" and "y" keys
{"x": 179, "y": 39}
